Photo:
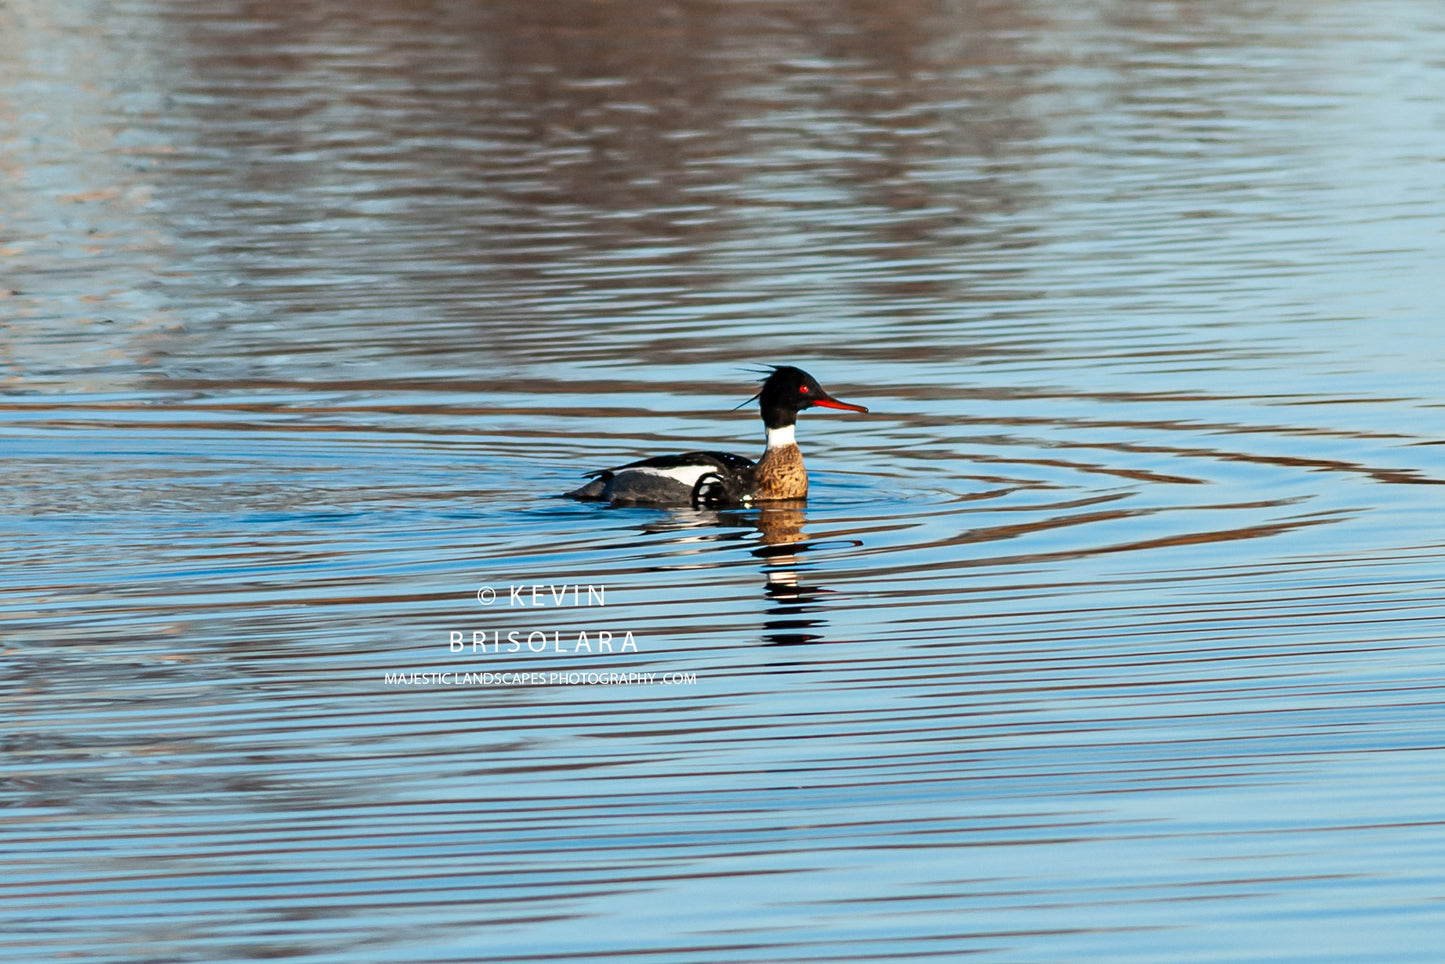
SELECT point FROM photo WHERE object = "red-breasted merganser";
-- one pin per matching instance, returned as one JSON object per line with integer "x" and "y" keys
{"x": 716, "y": 478}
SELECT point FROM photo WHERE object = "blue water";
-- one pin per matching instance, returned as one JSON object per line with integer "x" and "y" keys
{"x": 1113, "y": 632}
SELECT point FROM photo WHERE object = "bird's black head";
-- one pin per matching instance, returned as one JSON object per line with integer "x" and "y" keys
{"x": 788, "y": 390}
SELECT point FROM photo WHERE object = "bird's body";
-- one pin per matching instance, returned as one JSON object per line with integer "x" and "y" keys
{"x": 693, "y": 478}
{"x": 717, "y": 479}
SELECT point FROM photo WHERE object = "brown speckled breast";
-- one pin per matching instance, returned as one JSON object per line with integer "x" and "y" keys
{"x": 780, "y": 475}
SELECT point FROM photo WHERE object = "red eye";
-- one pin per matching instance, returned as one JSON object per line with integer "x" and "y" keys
{"x": 804, "y": 389}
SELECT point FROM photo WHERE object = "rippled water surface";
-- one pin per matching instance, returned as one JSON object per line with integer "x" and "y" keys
{"x": 1113, "y": 632}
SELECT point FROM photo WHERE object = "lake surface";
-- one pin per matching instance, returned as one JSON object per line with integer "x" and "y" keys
{"x": 1113, "y": 632}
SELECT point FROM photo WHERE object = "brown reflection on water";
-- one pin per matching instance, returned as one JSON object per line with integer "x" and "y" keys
{"x": 479, "y": 162}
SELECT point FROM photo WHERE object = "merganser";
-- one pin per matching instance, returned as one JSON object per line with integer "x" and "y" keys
{"x": 714, "y": 479}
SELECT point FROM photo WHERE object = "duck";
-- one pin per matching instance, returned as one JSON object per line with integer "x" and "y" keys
{"x": 721, "y": 479}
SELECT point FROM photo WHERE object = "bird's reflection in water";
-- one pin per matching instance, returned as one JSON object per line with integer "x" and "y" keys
{"x": 793, "y": 618}
{"x": 794, "y": 614}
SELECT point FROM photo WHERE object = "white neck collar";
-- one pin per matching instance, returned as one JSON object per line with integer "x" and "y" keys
{"x": 781, "y": 438}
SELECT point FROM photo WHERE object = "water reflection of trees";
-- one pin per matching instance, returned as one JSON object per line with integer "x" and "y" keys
{"x": 615, "y": 151}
